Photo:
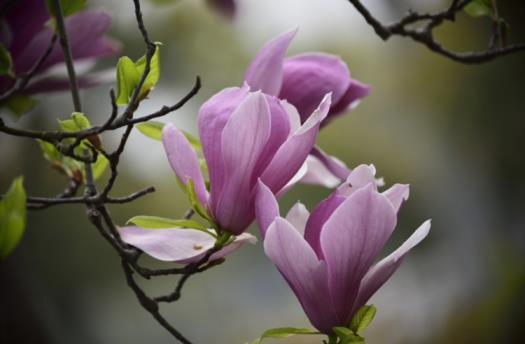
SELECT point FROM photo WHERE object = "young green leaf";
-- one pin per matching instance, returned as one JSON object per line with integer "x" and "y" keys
{"x": 78, "y": 121}
{"x": 479, "y": 8}
{"x": 12, "y": 217}
{"x": 129, "y": 74}
{"x": 99, "y": 166}
{"x": 6, "y": 63}
{"x": 362, "y": 318}
{"x": 69, "y": 7}
{"x": 151, "y": 129}
{"x": 19, "y": 104}
{"x": 194, "y": 142}
{"x": 50, "y": 152}
{"x": 284, "y": 332}
{"x": 347, "y": 336}
{"x": 154, "y": 71}
{"x": 194, "y": 201}
{"x": 127, "y": 79}
{"x": 155, "y": 222}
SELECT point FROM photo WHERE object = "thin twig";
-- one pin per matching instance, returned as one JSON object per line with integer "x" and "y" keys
{"x": 425, "y": 36}
{"x": 57, "y": 136}
{"x": 25, "y": 78}
{"x": 68, "y": 57}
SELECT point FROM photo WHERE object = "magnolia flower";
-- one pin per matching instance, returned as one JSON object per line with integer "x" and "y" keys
{"x": 245, "y": 136}
{"x": 327, "y": 257}
{"x": 24, "y": 33}
{"x": 303, "y": 80}
{"x": 228, "y": 8}
{"x": 179, "y": 245}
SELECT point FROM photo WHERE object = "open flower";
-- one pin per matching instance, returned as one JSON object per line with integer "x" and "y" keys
{"x": 327, "y": 257}
{"x": 303, "y": 80}
{"x": 245, "y": 136}
{"x": 24, "y": 33}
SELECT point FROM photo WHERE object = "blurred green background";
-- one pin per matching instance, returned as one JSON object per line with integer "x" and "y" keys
{"x": 454, "y": 132}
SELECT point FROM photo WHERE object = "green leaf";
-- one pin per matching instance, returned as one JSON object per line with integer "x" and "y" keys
{"x": 69, "y": 7}
{"x": 353, "y": 339}
{"x": 50, "y": 152}
{"x": 479, "y": 8}
{"x": 362, "y": 318}
{"x": 78, "y": 121}
{"x": 194, "y": 142}
{"x": 284, "y": 332}
{"x": 194, "y": 201}
{"x": 347, "y": 336}
{"x": 6, "y": 63}
{"x": 12, "y": 217}
{"x": 66, "y": 165}
{"x": 154, "y": 71}
{"x": 151, "y": 129}
{"x": 155, "y": 222}
{"x": 129, "y": 74}
{"x": 20, "y": 104}
{"x": 127, "y": 79}
{"x": 99, "y": 166}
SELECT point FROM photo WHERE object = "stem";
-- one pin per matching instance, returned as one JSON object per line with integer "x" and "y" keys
{"x": 64, "y": 42}
{"x": 332, "y": 339}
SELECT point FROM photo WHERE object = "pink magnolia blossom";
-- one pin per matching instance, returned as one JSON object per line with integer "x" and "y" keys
{"x": 23, "y": 31}
{"x": 327, "y": 257}
{"x": 245, "y": 136}
{"x": 303, "y": 80}
{"x": 227, "y": 8}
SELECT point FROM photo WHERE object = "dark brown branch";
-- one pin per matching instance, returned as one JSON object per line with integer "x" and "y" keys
{"x": 68, "y": 57}
{"x": 149, "y": 304}
{"x": 44, "y": 202}
{"x": 57, "y": 136}
{"x": 424, "y": 34}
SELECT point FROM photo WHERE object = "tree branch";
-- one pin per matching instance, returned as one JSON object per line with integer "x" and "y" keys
{"x": 68, "y": 57}
{"x": 24, "y": 79}
{"x": 424, "y": 35}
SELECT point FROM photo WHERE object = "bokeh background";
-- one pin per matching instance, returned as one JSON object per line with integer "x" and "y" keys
{"x": 454, "y": 132}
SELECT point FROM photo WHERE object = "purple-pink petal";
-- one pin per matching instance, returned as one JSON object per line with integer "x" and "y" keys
{"x": 318, "y": 174}
{"x": 308, "y": 77}
{"x": 304, "y": 272}
{"x": 227, "y": 8}
{"x": 265, "y": 73}
{"x": 243, "y": 140}
{"x": 353, "y": 95}
{"x": 351, "y": 239}
{"x": 298, "y": 217}
{"x": 382, "y": 271}
{"x": 180, "y": 245}
{"x": 213, "y": 116}
{"x": 266, "y": 207}
{"x": 334, "y": 165}
{"x": 170, "y": 244}
{"x": 317, "y": 219}
{"x": 293, "y": 152}
{"x": 86, "y": 36}
{"x": 184, "y": 160}
{"x": 397, "y": 194}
